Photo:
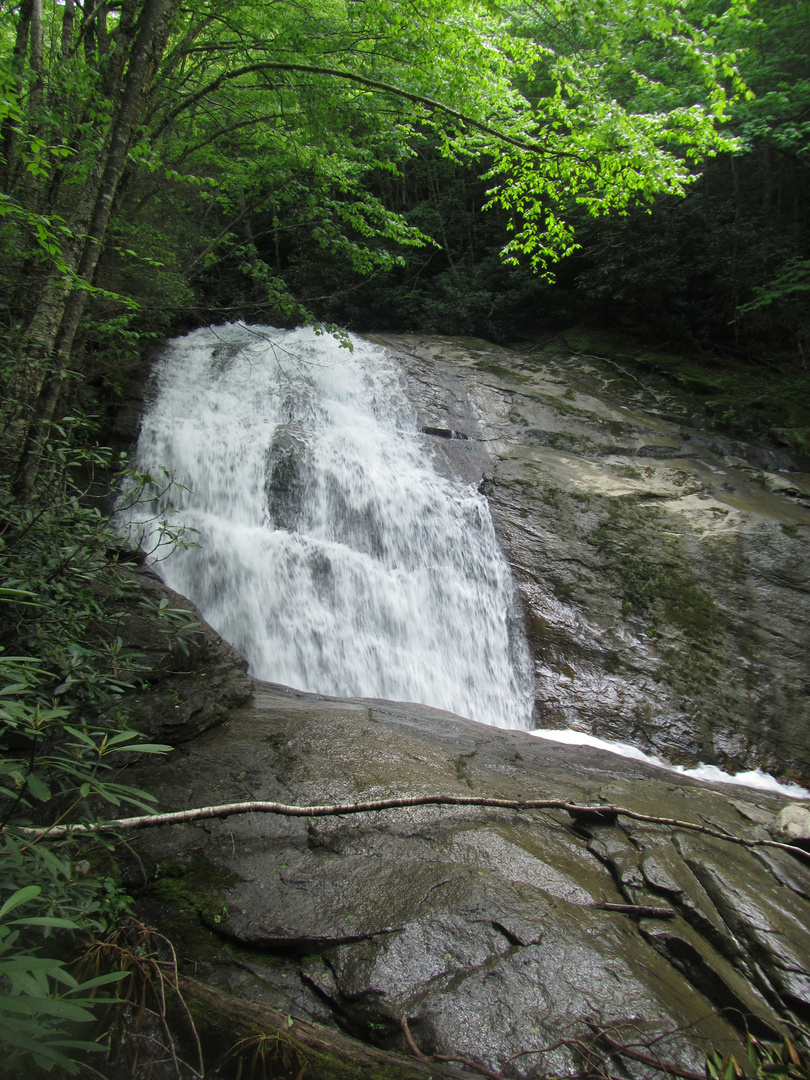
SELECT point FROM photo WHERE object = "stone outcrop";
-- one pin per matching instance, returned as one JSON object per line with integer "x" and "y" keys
{"x": 494, "y": 933}
{"x": 663, "y": 568}
{"x": 191, "y": 677}
{"x": 792, "y": 826}
{"x": 663, "y": 574}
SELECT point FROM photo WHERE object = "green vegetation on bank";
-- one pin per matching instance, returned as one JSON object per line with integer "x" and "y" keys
{"x": 753, "y": 400}
{"x": 65, "y": 664}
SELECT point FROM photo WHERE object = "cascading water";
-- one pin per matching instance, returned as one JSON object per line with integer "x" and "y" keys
{"x": 330, "y": 551}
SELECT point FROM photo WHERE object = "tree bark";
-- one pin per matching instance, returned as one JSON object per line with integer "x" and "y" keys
{"x": 53, "y": 328}
{"x": 223, "y": 1021}
{"x": 68, "y": 19}
{"x": 18, "y": 55}
{"x": 598, "y": 814}
{"x": 36, "y": 98}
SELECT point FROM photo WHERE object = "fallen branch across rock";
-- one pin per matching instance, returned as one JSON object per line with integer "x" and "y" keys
{"x": 599, "y": 812}
{"x": 587, "y": 1050}
{"x": 669, "y": 1068}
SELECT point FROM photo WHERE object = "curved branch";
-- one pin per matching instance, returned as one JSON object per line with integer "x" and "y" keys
{"x": 598, "y": 813}
{"x": 363, "y": 80}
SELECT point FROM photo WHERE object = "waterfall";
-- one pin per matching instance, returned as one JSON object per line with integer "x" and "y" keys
{"x": 326, "y": 548}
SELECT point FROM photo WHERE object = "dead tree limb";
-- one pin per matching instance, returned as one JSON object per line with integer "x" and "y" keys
{"x": 203, "y": 813}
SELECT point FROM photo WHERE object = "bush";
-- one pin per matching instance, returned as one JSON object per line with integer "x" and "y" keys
{"x": 63, "y": 668}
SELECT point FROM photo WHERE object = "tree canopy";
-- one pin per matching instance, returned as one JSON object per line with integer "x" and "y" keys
{"x": 150, "y": 148}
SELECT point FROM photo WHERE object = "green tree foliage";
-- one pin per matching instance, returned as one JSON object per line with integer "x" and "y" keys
{"x": 186, "y": 157}
{"x": 727, "y": 266}
{"x": 163, "y": 164}
{"x": 457, "y": 284}
{"x": 63, "y": 667}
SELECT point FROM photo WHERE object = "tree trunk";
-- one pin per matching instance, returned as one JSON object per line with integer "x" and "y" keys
{"x": 61, "y": 306}
{"x": 36, "y": 98}
{"x": 19, "y": 53}
{"x": 294, "y": 1047}
{"x": 68, "y": 19}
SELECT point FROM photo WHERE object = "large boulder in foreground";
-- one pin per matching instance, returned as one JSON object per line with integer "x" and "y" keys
{"x": 493, "y": 933}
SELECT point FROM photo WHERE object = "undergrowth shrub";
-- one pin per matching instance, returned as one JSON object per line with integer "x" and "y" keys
{"x": 63, "y": 668}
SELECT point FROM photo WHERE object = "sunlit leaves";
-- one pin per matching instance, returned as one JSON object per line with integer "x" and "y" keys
{"x": 564, "y": 104}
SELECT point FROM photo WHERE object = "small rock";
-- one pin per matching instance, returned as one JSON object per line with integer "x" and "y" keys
{"x": 757, "y": 814}
{"x": 792, "y": 826}
{"x": 781, "y": 485}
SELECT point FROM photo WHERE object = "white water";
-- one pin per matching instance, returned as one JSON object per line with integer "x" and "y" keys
{"x": 331, "y": 553}
{"x": 753, "y": 778}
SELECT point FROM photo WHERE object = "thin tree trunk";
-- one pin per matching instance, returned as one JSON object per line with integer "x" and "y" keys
{"x": 18, "y": 55}
{"x": 36, "y": 55}
{"x": 603, "y": 814}
{"x": 88, "y": 35}
{"x": 36, "y": 98}
{"x": 435, "y": 195}
{"x": 249, "y": 241}
{"x": 68, "y": 19}
{"x": 53, "y": 328}
{"x": 101, "y": 33}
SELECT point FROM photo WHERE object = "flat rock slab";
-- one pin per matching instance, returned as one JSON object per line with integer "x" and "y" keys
{"x": 486, "y": 929}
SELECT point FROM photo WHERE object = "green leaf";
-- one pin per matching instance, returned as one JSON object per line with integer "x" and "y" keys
{"x": 81, "y": 736}
{"x": 38, "y": 788}
{"x": 121, "y": 737}
{"x": 21, "y": 896}
{"x": 147, "y": 748}
{"x": 46, "y": 920}
{"x": 104, "y": 980}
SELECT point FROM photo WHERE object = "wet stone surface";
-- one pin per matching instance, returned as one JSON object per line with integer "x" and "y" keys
{"x": 663, "y": 574}
{"x": 663, "y": 569}
{"x": 486, "y": 929}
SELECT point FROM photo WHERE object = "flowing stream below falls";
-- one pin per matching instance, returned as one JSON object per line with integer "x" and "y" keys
{"x": 326, "y": 546}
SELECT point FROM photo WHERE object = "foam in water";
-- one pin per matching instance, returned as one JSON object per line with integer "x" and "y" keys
{"x": 753, "y": 778}
{"x": 331, "y": 553}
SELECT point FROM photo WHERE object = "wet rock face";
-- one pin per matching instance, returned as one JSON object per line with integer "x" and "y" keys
{"x": 663, "y": 570}
{"x": 663, "y": 575}
{"x": 492, "y": 932}
{"x": 193, "y": 677}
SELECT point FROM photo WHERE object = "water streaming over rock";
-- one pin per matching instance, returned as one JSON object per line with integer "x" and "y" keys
{"x": 331, "y": 552}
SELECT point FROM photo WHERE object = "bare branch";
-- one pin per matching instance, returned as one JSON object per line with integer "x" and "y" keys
{"x": 640, "y": 911}
{"x": 597, "y": 813}
{"x": 403, "y": 1023}
{"x": 668, "y": 1067}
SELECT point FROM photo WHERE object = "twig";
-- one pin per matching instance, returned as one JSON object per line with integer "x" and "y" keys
{"x": 203, "y": 813}
{"x": 648, "y": 1059}
{"x": 469, "y": 1065}
{"x": 641, "y": 911}
{"x": 403, "y": 1023}
{"x": 175, "y": 985}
